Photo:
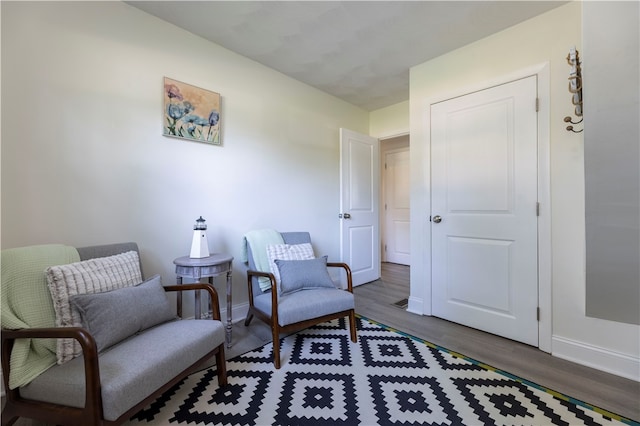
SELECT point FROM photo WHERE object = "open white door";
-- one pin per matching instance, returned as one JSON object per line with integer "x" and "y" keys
{"x": 359, "y": 205}
{"x": 484, "y": 204}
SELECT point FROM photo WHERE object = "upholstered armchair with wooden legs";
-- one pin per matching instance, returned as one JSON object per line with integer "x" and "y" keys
{"x": 301, "y": 296}
{"x": 129, "y": 354}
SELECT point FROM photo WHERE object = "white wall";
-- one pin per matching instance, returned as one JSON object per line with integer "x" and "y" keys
{"x": 390, "y": 121}
{"x": 607, "y": 345}
{"x": 84, "y": 162}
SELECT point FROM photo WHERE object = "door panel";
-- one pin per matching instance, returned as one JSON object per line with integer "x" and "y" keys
{"x": 359, "y": 205}
{"x": 484, "y": 187}
{"x": 483, "y": 282}
{"x": 479, "y": 159}
{"x": 361, "y": 240}
{"x": 361, "y": 155}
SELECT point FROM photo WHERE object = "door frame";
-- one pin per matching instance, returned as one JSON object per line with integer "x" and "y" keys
{"x": 420, "y": 299}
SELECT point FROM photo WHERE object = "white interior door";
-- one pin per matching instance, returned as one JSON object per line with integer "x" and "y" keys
{"x": 359, "y": 205}
{"x": 396, "y": 241}
{"x": 484, "y": 210}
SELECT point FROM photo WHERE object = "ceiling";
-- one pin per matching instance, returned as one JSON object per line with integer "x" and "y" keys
{"x": 359, "y": 51}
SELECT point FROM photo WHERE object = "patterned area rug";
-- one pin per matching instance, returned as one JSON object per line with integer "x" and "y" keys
{"x": 387, "y": 378}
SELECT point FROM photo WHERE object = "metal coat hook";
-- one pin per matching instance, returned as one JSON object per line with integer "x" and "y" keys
{"x": 571, "y": 129}
{"x": 575, "y": 88}
{"x": 567, "y": 119}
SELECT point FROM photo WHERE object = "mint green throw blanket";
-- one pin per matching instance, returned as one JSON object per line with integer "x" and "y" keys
{"x": 258, "y": 241}
{"x": 26, "y": 303}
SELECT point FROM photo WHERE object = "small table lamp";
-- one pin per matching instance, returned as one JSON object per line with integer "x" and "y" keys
{"x": 199, "y": 244}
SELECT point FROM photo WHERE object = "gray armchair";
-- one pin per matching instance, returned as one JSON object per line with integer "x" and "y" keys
{"x": 102, "y": 386}
{"x": 288, "y": 311}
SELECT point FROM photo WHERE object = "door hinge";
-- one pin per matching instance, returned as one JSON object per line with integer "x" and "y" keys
{"x": 538, "y": 313}
{"x": 385, "y": 248}
{"x": 537, "y": 209}
{"x": 385, "y": 166}
{"x": 537, "y": 104}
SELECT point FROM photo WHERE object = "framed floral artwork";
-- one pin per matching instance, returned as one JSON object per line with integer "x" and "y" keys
{"x": 191, "y": 113}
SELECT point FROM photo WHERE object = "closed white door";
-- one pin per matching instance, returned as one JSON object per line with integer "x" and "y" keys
{"x": 359, "y": 205}
{"x": 396, "y": 241}
{"x": 484, "y": 210}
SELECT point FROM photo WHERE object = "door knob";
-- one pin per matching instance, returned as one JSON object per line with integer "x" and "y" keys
{"x": 346, "y": 216}
{"x": 437, "y": 219}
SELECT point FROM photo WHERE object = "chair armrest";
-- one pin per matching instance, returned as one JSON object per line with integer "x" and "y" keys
{"x": 274, "y": 290}
{"x": 213, "y": 294}
{"x": 251, "y": 273}
{"x": 347, "y": 269}
{"x": 93, "y": 398}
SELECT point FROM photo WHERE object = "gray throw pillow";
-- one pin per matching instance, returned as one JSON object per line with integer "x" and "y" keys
{"x": 298, "y": 275}
{"x": 113, "y": 316}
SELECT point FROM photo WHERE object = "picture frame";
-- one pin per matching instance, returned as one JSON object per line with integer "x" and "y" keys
{"x": 191, "y": 113}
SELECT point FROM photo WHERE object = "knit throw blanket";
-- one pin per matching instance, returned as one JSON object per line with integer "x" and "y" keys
{"x": 258, "y": 240}
{"x": 26, "y": 303}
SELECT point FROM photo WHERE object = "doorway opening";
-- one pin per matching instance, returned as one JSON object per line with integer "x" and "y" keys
{"x": 394, "y": 200}
{"x": 394, "y": 212}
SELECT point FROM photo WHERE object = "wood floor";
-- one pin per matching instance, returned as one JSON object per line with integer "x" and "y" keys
{"x": 377, "y": 300}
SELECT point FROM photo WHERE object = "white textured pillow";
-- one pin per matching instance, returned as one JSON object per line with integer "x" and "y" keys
{"x": 87, "y": 277}
{"x": 287, "y": 252}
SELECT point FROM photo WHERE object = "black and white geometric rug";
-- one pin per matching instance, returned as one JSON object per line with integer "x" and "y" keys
{"x": 387, "y": 378}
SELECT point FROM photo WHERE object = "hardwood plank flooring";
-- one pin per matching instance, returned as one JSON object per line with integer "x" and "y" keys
{"x": 376, "y": 300}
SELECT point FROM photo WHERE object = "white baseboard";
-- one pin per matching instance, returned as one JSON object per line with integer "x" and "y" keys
{"x": 238, "y": 312}
{"x": 596, "y": 357}
{"x": 415, "y": 306}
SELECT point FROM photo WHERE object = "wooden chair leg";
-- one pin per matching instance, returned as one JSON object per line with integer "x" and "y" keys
{"x": 248, "y": 319}
{"x": 221, "y": 366}
{"x": 352, "y": 326}
{"x": 276, "y": 347}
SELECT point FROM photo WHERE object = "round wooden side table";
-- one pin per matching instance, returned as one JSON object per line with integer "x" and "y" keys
{"x": 206, "y": 267}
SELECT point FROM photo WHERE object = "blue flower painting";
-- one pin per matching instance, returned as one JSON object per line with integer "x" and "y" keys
{"x": 191, "y": 113}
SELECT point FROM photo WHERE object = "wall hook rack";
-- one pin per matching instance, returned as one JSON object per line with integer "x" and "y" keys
{"x": 570, "y": 128}
{"x": 575, "y": 88}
